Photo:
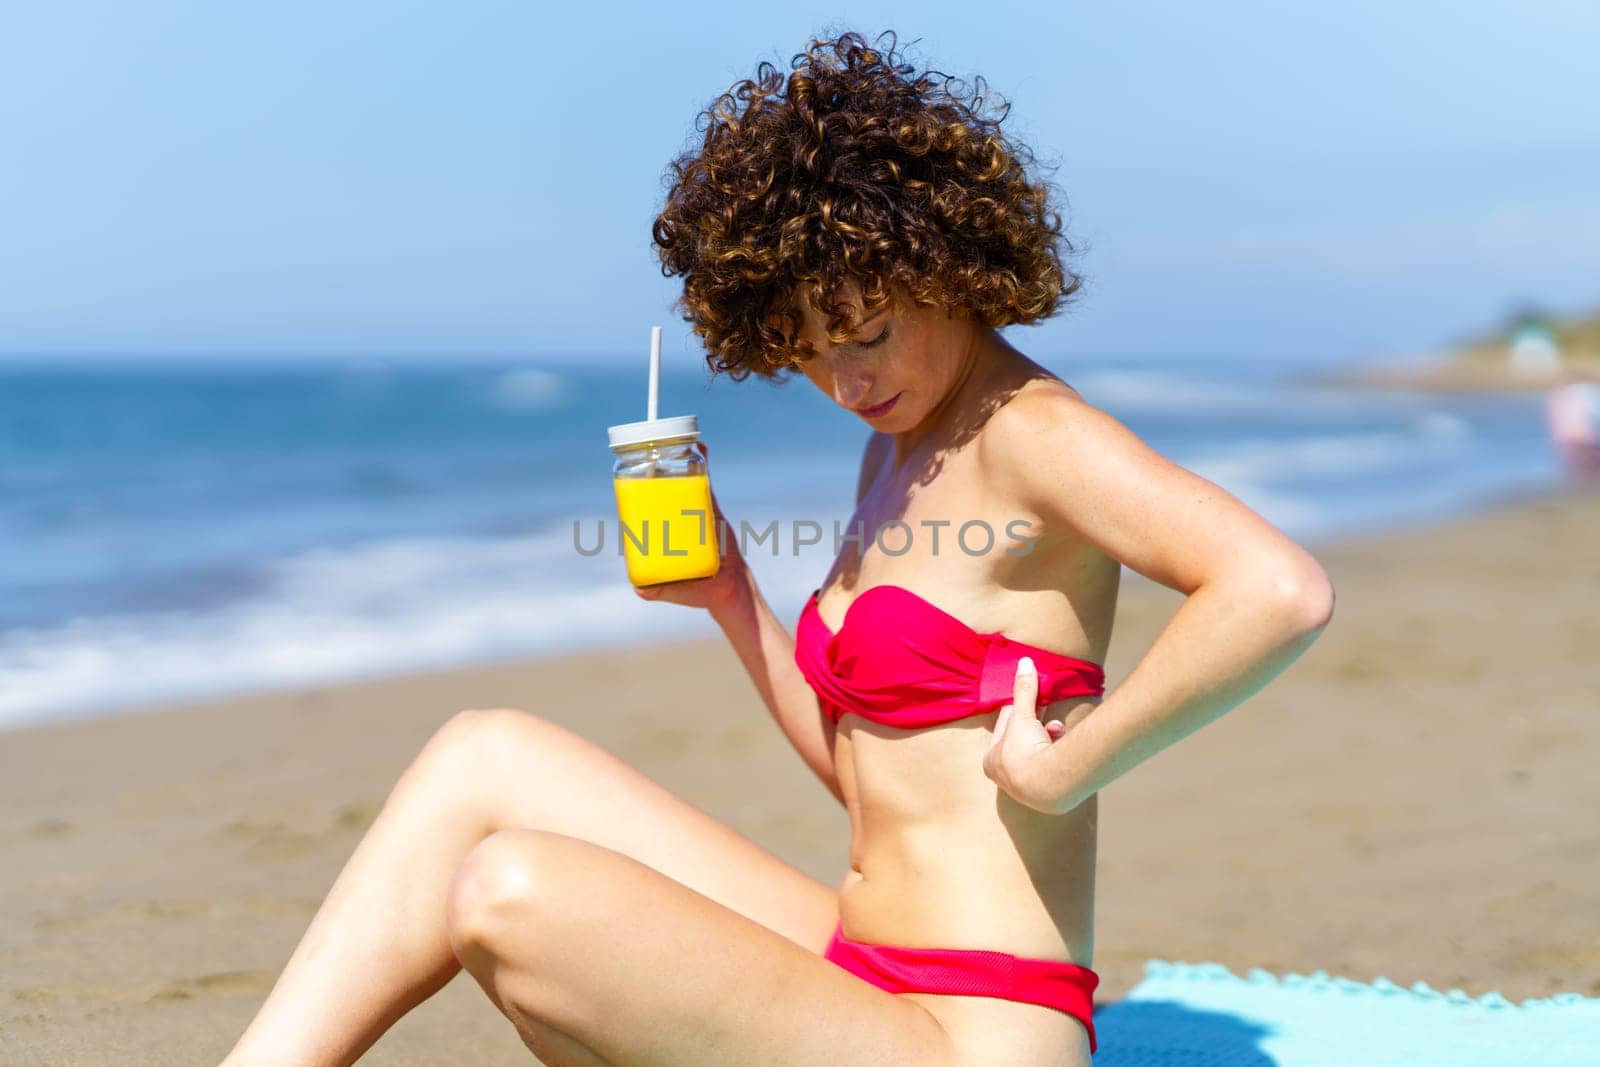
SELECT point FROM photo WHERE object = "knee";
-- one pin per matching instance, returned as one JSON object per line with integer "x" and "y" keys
{"x": 501, "y": 884}
{"x": 469, "y": 735}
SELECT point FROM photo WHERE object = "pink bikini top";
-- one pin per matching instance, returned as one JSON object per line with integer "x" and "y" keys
{"x": 901, "y": 661}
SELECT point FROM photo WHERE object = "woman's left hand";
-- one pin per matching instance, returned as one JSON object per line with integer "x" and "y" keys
{"x": 1016, "y": 756}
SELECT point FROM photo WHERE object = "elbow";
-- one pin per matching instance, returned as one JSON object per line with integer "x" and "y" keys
{"x": 1306, "y": 594}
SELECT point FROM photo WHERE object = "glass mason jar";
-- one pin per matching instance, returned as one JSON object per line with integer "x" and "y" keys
{"x": 663, "y": 489}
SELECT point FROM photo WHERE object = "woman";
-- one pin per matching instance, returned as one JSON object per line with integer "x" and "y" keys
{"x": 870, "y": 230}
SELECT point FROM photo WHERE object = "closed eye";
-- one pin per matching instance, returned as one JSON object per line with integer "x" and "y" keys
{"x": 875, "y": 342}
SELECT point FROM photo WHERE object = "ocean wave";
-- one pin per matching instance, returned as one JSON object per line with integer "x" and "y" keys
{"x": 192, "y": 545}
{"x": 1142, "y": 391}
{"x": 528, "y": 390}
{"x": 1328, "y": 456}
{"x": 338, "y": 614}
{"x": 1148, "y": 391}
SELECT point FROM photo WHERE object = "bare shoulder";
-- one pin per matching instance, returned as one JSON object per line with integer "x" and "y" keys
{"x": 1011, "y": 436}
{"x": 1080, "y": 468}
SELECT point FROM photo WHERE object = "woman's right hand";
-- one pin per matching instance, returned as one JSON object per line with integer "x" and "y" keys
{"x": 723, "y": 589}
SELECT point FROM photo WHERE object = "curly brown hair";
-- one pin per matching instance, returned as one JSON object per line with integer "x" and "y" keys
{"x": 861, "y": 169}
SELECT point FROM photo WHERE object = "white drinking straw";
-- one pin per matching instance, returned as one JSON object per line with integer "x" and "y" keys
{"x": 655, "y": 384}
{"x": 655, "y": 368}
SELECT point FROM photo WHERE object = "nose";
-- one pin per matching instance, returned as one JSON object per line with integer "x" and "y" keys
{"x": 852, "y": 390}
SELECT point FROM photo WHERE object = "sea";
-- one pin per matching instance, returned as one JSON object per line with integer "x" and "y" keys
{"x": 179, "y": 530}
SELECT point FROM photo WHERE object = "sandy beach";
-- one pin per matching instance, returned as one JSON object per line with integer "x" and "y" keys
{"x": 1414, "y": 798}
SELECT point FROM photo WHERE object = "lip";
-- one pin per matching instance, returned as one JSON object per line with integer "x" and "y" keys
{"x": 880, "y": 409}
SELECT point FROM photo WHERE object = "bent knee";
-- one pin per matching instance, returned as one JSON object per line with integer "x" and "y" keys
{"x": 482, "y": 729}
{"x": 475, "y": 721}
{"x": 499, "y": 883}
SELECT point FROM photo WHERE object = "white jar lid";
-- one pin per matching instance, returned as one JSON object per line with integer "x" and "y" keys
{"x": 637, "y": 433}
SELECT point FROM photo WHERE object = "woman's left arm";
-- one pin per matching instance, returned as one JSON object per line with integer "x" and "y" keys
{"x": 1255, "y": 600}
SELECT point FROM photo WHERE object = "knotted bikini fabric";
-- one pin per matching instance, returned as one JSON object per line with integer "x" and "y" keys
{"x": 899, "y": 660}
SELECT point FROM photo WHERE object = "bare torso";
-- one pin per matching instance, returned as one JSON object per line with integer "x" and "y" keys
{"x": 939, "y": 855}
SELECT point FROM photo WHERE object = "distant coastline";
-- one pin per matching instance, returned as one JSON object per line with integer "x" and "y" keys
{"x": 1479, "y": 365}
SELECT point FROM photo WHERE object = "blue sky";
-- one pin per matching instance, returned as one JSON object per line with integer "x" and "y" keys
{"x": 1264, "y": 179}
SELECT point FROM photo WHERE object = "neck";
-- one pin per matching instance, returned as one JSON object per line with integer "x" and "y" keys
{"x": 984, "y": 356}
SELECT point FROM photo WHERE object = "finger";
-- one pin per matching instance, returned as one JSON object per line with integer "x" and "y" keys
{"x": 1025, "y": 732}
{"x": 1000, "y": 725}
{"x": 1025, "y": 690}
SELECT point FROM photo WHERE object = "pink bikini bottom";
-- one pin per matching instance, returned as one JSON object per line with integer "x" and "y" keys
{"x": 966, "y": 972}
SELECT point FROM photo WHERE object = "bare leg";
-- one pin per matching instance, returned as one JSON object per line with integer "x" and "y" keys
{"x": 379, "y": 945}
{"x": 644, "y": 972}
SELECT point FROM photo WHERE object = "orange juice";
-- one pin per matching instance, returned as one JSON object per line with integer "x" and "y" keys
{"x": 667, "y": 532}
{"x": 659, "y": 540}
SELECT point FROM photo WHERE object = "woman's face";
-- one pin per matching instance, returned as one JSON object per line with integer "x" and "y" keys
{"x": 908, "y": 354}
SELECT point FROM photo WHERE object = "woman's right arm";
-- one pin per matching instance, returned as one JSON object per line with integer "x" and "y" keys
{"x": 763, "y": 644}
{"x": 766, "y": 649}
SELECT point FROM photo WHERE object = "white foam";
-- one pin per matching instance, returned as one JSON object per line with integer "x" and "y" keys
{"x": 1444, "y": 426}
{"x": 337, "y": 614}
{"x": 530, "y": 389}
{"x": 1148, "y": 391}
{"x": 1318, "y": 457}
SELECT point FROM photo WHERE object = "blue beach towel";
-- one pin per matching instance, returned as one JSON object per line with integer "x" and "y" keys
{"x": 1204, "y": 1015}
